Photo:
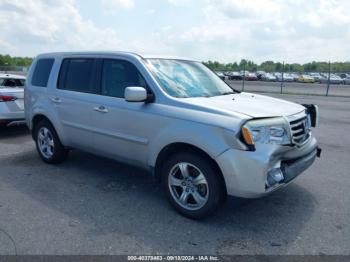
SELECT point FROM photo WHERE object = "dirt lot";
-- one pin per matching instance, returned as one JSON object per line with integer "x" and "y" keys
{"x": 90, "y": 205}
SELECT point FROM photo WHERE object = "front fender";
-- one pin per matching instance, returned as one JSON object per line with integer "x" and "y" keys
{"x": 212, "y": 140}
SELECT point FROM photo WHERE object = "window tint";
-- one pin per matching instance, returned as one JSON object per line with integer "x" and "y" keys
{"x": 117, "y": 75}
{"x": 21, "y": 82}
{"x": 42, "y": 72}
{"x": 78, "y": 75}
{"x": 10, "y": 83}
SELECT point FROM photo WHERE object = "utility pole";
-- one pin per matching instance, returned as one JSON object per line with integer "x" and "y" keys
{"x": 6, "y": 64}
{"x": 243, "y": 75}
{"x": 282, "y": 77}
{"x": 329, "y": 77}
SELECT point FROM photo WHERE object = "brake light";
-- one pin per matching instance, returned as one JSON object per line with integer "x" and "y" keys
{"x": 7, "y": 98}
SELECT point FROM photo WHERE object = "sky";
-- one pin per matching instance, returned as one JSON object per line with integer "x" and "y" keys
{"x": 223, "y": 30}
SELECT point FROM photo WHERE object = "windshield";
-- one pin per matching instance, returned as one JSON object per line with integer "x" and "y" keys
{"x": 180, "y": 78}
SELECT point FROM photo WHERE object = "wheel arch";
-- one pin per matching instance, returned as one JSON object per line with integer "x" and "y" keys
{"x": 37, "y": 118}
{"x": 173, "y": 148}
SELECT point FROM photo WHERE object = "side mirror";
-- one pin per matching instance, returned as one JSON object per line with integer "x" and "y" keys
{"x": 135, "y": 94}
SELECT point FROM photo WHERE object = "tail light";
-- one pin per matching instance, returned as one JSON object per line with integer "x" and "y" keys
{"x": 7, "y": 98}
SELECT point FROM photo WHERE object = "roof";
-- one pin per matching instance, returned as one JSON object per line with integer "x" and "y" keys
{"x": 144, "y": 56}
{"x": 12, "y": 76}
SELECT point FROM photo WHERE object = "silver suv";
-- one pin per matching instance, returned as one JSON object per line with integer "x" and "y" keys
{"x": 174, "y": 117}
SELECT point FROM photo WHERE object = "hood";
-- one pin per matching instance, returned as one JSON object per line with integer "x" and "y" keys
{"x": 248, "y": 104}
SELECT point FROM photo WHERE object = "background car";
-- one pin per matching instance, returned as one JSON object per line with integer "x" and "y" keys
{"x": 269, "y": 77}
{"x": 317, "y": 76}
{"x": 260, "y": 74}
{"x": 251, "y": 77}
{"x": 323, "y": 78}
{"x": 286, "y": 77}
{"x": 221, "y": 75}
{"x": 306, "y": 79}
{"x": 234, "y": 76}
{"x": 346, "y": 81}
{"x": 333, "y": 79}
{"x": 344, "y": 75}
{"x": 295, "y": 76}
{"x": 10, "y": 80}
{"x": 11, "y": 99}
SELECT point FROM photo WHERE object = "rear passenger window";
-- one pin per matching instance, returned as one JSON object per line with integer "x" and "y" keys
{"x": 42, "y": 72}
{"x": 78, "y": 75}
{"x": 117, "y": 75}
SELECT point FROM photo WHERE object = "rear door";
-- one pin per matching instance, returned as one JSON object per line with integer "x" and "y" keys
{"x": 73, "y": 99}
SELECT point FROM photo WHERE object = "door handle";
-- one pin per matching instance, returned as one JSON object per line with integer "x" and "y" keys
{"x": 101, "y": 109}
{"x": 56, "y": 100}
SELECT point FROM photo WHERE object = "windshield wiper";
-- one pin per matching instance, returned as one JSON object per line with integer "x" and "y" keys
{"x": 227, "y": 93}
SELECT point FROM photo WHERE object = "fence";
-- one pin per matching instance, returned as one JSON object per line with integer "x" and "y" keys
{"x": 21, "y": 70}
{"x": 329, "y": 84}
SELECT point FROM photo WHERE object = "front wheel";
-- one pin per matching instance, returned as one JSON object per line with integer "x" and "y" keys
{"x": 193, "y": 185}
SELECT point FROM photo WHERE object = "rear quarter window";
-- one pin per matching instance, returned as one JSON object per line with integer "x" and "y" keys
{"x": 42, "y": 72}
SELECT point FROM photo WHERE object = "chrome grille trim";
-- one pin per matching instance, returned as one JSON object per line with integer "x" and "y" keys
{"x": 299, "y": 131}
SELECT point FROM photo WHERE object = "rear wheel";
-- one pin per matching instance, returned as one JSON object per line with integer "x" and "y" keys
{"x": 48, "y": 144}
{"x": 193, "y": 185}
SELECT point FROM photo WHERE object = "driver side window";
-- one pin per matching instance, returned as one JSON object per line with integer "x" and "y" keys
{"x": 118, "y": 75}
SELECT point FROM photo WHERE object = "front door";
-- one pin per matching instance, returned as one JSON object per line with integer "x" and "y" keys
{"x": 122, "y": 129}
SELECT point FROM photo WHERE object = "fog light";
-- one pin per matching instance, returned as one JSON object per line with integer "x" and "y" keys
{"x": 274, "y": 176}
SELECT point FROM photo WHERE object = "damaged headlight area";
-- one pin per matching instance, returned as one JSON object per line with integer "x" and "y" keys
{"x": 313, "y": 114}
{"x": 266, "y": 131}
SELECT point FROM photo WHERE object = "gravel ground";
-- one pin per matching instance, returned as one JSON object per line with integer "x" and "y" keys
{"x": 91, "y": 205}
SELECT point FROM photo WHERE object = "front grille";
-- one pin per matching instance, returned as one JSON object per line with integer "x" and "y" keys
{"x": 300, "y": 130}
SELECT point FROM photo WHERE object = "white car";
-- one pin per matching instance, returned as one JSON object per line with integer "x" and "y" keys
{"x": 288, "y": 77}
{"x": 333, "y": 79}
{"x": 269, "y": 77}
{"x": 11, "y": 99}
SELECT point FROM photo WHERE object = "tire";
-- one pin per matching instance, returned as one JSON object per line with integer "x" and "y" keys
{"x": 183, "y": 193}
{"x": 55, "y": 152}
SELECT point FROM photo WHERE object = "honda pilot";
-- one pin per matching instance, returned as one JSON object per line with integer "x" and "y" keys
{"x": 172, "y": 116}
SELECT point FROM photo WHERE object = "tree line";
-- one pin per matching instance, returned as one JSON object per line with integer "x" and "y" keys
{"x": 267, "y": 66}
{"x": 271, "y": 66}
{"x": 7, "y": 60}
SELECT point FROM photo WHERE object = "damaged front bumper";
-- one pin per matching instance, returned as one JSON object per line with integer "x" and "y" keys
{"x": 253, "y": 174}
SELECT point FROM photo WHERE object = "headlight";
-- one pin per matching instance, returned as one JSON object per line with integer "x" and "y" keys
{"x": 266, "y": 131}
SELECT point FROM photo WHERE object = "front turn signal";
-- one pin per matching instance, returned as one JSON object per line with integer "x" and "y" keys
{"x": 247, "y": 137}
